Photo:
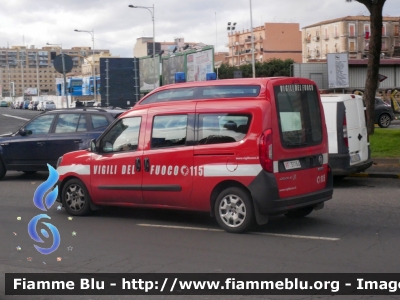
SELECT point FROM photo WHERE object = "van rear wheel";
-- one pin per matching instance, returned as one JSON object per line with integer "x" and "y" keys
{"x": 234, "y": 210}
{"x": 300, "y": 213}
{"x": 75, "y": 198}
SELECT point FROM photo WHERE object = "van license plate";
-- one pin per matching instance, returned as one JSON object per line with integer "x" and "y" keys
{"x": 292, "y": 164}
{"x": 355, "y": 158}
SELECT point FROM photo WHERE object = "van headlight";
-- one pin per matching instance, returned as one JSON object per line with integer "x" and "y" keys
{"x": 59, "y": 162}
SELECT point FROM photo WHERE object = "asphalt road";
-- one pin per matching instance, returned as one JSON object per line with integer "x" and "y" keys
{"x": 357, "y": 231}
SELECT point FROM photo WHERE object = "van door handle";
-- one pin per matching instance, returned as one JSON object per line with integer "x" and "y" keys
{"x": 138, "y": 165}
{"x": 146, "y": 164}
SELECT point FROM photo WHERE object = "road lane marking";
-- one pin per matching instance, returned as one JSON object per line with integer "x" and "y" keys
{"x": 179, "y": 227}
{"x": 298, "y": 236}
{"x": 256, "y": 233}
{"x": 10, "y": 116}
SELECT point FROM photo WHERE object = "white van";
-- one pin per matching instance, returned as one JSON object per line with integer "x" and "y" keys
{"x": 345, "y": 118}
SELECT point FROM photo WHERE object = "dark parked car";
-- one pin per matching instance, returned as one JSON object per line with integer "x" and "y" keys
{"x": 383, "y": 113}
{"x": 48, "y": 136}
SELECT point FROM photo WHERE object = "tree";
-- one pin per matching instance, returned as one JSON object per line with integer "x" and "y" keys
{"x": 269, "y": 68}
{"x": 375, "y": 8}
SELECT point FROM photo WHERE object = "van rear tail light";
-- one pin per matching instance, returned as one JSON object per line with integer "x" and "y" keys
{"x": 345, "y": 135}
{"x": 266, "y": 151}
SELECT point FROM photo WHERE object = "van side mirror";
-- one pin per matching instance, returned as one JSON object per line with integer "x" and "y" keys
{"x": 93, "y": 146}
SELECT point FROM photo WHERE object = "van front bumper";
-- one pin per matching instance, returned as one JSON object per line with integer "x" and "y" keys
{"x": 264, "y": 191}
{"x": 340, "y": 164}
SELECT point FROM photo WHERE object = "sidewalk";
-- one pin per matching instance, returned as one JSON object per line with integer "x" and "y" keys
{"x": 382, "y": 168}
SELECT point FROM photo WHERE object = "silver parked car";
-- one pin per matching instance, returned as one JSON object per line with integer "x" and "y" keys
{"x": 46, "y": 105}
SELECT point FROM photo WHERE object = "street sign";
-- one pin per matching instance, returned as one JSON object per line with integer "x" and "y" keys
{"x": 58, "y": 64}
{"x": 338, "y": 70}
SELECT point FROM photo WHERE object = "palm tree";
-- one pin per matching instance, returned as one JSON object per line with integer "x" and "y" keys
{"x": 375, "y": 7}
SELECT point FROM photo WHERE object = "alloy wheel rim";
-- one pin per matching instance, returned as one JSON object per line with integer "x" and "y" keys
{"x": 232, "y": 210}
{"x": 385, "y": 120}
{"x": 75, "y": 197}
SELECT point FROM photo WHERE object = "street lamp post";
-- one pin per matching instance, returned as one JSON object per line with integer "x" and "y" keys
{"x": 231, "y": 27}
{"x": 64, "y": 75}
{"x": 91, "y": 32}
{"x": 151, "y": 10}
{"x": 252, "y": 42}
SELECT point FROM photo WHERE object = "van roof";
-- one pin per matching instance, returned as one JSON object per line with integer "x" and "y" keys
{"x": 260, "y": 81}
{"x": 338, "y": 97}
{"x": 248, "y": 81}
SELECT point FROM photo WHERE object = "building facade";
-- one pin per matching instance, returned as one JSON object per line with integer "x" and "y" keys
{"x": 144, "y": 46}
{"x": 90, "y": 60}
{"x": 31, "y": 70}
{"x": 349, "y": 34}
{"x": 272, "y": 40}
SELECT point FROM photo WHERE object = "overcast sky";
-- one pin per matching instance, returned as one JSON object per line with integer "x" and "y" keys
{"x": 116, "y": 26}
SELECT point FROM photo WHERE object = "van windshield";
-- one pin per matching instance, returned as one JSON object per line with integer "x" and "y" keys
{"x": 299, "y": 115}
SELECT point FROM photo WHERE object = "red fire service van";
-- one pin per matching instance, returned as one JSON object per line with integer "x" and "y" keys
{"x": 241, "y": 149}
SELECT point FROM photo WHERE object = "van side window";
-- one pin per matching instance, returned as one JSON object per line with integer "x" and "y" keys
{"x": 169, "y": 131}
{"x": 222, "y": 128}
{"x": 123, "y": 136}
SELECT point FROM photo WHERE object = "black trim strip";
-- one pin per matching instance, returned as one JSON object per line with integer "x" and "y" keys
{"x": 121, "y": 187}
{"x": 164, "y": 187}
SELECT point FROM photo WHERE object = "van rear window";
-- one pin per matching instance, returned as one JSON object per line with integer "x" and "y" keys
{"x": 204, "y": 92}
{"x": 299, "y": 115}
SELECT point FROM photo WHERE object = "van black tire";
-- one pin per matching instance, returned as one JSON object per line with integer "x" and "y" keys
{"x": 299, "y": 213}
{"x": 384, "y": 121}
{"x": 3, "y": 170}
{"x": 75, "y": 198}
{"x": 233, "y": 210}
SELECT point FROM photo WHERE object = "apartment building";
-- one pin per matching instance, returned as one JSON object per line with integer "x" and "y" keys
{"x": 272, "y": 40}
{"x": 29, "y": 69}
{"x": 348, "y": 34}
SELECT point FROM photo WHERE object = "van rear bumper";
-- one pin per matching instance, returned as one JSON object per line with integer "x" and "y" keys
{"x": 340, "y": 164}
{"x": 264, "y": 190}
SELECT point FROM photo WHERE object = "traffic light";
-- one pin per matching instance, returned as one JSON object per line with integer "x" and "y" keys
{"x": 92, "y": 89}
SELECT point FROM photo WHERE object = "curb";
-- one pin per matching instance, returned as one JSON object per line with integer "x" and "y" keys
{"x": 386, "y": 161}
{"x": 376, "y": 175}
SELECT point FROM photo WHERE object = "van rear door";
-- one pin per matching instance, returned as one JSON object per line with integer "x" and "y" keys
{"x": 300, "y": 146}
{"x": 356, "y": 130}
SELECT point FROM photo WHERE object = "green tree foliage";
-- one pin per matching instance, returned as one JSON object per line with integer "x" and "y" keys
{"x": 270, "y": 68}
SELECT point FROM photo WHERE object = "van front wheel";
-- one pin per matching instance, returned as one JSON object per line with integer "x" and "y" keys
{"x": 75, "y": 198}
{"x": 234, "y": 210}
{"x": 300, "y": 213}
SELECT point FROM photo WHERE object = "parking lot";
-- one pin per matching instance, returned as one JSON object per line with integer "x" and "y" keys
{"x": 357, "y": 232}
